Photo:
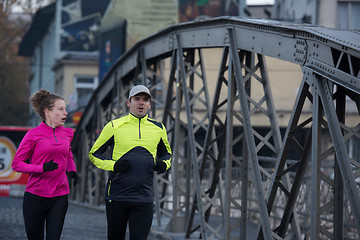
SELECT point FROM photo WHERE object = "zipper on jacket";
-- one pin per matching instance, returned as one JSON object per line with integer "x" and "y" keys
{"x": 110, "y": 181}
{"x": 109, "y": 188}
{"x": 54, "y": 134}
{"x": 139, "y": 128}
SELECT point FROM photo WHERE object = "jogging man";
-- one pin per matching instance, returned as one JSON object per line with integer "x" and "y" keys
{"x": 139, "y": 147}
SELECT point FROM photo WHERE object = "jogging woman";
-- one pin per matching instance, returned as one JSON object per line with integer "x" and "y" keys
{"x": 45, "y": 154}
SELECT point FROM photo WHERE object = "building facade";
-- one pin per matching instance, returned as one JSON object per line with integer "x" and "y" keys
{"x": 340, "y": 14}
{"x": 63, "y": 49}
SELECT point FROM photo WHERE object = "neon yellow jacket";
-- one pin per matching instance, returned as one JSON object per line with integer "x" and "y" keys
{"x": 141, "y": 141}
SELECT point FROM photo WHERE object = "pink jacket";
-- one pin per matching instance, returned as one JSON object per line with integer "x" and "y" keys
{"x": 40, "y": 145}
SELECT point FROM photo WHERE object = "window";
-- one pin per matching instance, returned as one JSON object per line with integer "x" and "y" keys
{"x": 84, "y": 87}
{"x": 348, "y": 15}
{"x": 354, "y": 148}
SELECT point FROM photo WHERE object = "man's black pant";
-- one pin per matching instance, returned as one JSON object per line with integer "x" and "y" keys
{"x": 138, "y": 215}
{"x": 38, "y": 210}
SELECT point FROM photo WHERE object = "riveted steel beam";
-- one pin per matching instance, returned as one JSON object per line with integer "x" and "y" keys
{"x": 220, "y": 186}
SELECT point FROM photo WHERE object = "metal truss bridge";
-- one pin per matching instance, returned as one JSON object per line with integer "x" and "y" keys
{"x": 228, "y": 179}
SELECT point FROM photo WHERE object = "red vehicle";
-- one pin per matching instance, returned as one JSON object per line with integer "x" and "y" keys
{"x": 10, "y": 138}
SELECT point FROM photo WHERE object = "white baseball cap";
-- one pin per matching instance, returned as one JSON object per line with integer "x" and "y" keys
{"x": 139, "y": 89}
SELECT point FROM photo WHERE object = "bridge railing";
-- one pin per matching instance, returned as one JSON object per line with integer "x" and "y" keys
{"x": 220, "y": 185}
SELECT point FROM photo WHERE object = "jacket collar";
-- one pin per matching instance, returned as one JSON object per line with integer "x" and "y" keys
{"x": 44, "y": 125}
{"x": 133, "y": 117}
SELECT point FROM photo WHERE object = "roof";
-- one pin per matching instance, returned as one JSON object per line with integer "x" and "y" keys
{"x": 78, "y": 58}
{"x": 39, "y": 27}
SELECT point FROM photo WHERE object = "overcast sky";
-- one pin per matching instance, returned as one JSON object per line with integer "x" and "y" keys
{"x": 260, "y": 1}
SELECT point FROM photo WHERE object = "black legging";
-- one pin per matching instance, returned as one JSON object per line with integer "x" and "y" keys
{"x": 38, "y": 209}
{"x": 138, "y": 215}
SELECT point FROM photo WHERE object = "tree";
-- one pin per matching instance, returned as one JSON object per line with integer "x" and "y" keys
{"x": 14, "y": 70}
{"x": 23, "y": 6}
{"x": 14, "y": 73}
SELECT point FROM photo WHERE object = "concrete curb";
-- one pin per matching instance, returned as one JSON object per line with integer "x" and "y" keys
{"x": 160, "y": 235}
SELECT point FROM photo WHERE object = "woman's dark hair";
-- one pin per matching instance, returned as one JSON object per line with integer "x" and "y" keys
{"x": 42, "y": 100}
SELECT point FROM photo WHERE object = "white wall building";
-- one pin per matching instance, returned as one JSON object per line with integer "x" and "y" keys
{"x": 342, "y": 14}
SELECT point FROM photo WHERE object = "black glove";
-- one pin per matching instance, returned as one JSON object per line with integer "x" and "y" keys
{"x": 50, "y": 166}
{"x": 160, "y": 167}
{"x": 73, "y": 175}
{"x": 122, "y": 166}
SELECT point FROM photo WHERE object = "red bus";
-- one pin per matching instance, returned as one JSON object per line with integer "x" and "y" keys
{"x": 10, "y": 138}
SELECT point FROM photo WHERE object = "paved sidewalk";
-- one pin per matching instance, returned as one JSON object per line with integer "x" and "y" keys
{"x": 80, "y": 223}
